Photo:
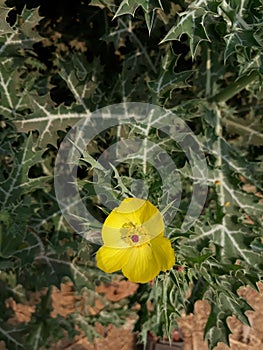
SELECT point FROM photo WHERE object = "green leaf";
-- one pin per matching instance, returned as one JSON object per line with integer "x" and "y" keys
{"x": 22, "y": 37}
{"x": 13, "y": 88}
{"x": 78, "y": 75}
{"x": 216, "y": 329}
{"x": 11, "y": 336}
{"x": 128, "y": 7}
{"x": 191, "y": 23}
{"x": 250, "y": 128}
{"x": 18, "y": 183}
{"x": 4, "y": 26}
{"x": 169, "y": 77}
{"x": 225, "y": 305}
{"x": 257, "y": 245}
{"x": 29, "y": 19}
{"x": 239, "y": 39}
{"x": 149, "y": 7}
{"x": 46, "y": 117}
{"x": 52, "y": 119}
{"x": 244, "y": 20}
{"x": 11, "y": 101}
{"x": 169, "y": 81}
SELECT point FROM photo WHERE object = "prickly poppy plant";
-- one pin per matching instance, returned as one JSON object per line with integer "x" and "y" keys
{"x": 186, "y": 140}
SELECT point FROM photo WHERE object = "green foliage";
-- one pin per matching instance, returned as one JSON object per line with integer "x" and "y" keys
{"x": 149, "y": 8}
{"x": 200, "y": 59}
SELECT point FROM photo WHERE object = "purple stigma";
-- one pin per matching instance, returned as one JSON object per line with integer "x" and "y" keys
{"x": 135, "y": 238}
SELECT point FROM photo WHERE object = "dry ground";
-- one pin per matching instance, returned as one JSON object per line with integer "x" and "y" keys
{"x": 64, "y": 302}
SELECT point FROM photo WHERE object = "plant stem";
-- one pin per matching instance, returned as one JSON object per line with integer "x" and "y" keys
{"x": 234, "y": 88}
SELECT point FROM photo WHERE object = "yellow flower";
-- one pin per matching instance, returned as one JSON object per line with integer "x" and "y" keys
{"x": 134, "y": 242}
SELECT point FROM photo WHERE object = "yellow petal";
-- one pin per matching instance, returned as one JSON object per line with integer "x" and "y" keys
{"x": 145, "y": 262}
{"x": 154, "y": 225}
{"x": 111, "y": 259}
{"x": 135, "y": 211}
{"x": 142, "y": 266}
{"x": 163, "y": 252}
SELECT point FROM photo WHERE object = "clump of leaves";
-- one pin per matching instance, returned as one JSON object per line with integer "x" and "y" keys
{"x": 208, "y": 70}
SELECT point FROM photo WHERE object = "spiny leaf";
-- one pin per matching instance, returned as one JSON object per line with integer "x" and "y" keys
{"x": 127, "y": 7}
{"x": 29, "y": 19}
{"x": 216, "y": 329}
{"x": 15, "y": 242}
{"x": 47, "y": 119}
{"x": 219, "y": 284}
{"x": 225, "y": 304}
{"x": 13, "y": 91}
{"x": 11, "y": 336}
{"x": 192, "y": 23}
{"x": 12, "y": 103}
{"x": 4, "y": 26}
{"x": 170, "y": 80}
{"x": 78, "y": 74}
{"x": 237, "y": 164}
{"x": 232, "y": 243}
{"x": 48, "y": 270}
{"x": 18, "y": 183}
{"x": 51, "y": 269}
{"x": 239, "y": 39}
{"x": 149, "y": 7}
{"x": 250, "y": 129}
{"x": 244, "y": 19}
{"x": 21, "y": 38}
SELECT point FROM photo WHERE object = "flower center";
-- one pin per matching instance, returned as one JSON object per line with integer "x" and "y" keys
{"x": 134, "y": 234}
{"x": 135, "y": 238}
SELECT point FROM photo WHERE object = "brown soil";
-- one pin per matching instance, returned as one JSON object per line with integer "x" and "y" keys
{"x": 64, "y": 303}
{"x": 242, "y": 338}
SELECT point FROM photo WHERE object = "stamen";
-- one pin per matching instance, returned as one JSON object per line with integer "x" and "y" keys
{"x": 134, "y": 234}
